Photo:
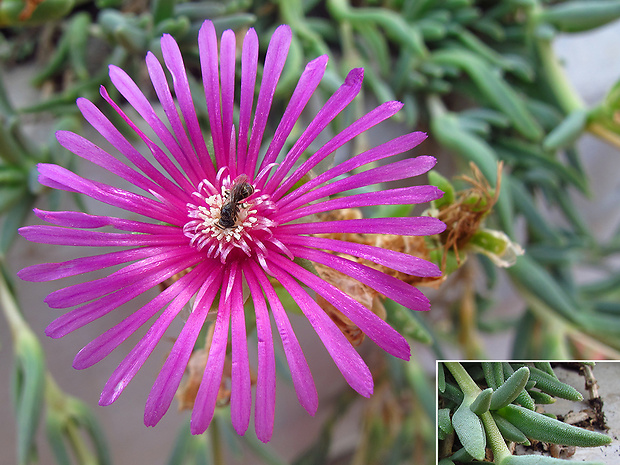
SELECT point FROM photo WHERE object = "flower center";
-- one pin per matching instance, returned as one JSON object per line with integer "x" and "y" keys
{"x": 235, "y": 218}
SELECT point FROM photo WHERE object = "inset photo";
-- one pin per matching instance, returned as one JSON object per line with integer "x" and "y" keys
{"x": 528, "y": 413}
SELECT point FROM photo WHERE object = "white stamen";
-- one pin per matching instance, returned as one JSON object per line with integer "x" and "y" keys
{"x": 251, "y": 228}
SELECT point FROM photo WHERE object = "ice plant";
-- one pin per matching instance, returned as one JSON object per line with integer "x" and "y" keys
{"x": 228, "y": 217}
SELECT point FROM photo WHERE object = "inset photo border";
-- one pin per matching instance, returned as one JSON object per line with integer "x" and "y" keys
{"x": 528, "y": 412}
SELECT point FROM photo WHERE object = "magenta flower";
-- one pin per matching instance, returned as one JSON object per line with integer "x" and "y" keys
{"x": 229, "y": 217}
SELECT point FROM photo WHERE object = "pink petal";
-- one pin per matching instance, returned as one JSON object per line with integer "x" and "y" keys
{"x": 52, "y": 271}
{"x": 157, "y": 152}
{"x": 128, "y": 89}
{"x": 102, "y": 125}
{"x": 86, "y": 221}
{"x": 366, "y": 122}
{"x": 75, "y": 237}
{"x": 83, "y": 292}
{"x": 228, "y": 50}
{"x": 207, "y": 46}
{"x": 402, "y": 169}
{"x": 169, "y": 378}
{"x": 264, "y": 412}
{"x": 241, "y": 386}
{"x": 88, "y": 313}
{"x": 336, "y": 103}
{"x": 406, "y": 226}
{"x": 396, "y": 260}
{"x": 89, "y": 151}
{"x": 393, "y": 147}
{"x": 308, "y": 82}
{"x": 185, "y": 155}
{"x": 300, "y": 372}
{"x": 342, "y": 352}
{"x": 204, "y": 406}
{"x": 66, "y": 180}
{"x": 401, "y": 196}
{"x": 374, "y": 327}
{"x": 103, "y": 345}
{"x": 391, "y": 287}
{"x": 174, "y": 63}
{"x": 128, "y": 368}
{"x": 274, "y": 63}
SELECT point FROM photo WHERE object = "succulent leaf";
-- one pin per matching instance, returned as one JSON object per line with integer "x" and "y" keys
{"x": 511, "y": 389}
{"x": 469, "y": 430}
{"x": 551, "y": 385}
{"x": 543, "y": 428}
{"x": 482, "y": 402}
{"x": 508, "y": 430}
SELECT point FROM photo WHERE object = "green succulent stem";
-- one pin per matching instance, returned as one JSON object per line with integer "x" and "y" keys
{"x": 558, "y": 81}
{"x": 465, "y": 382}
{"x": 12, "y": 313}
{"x": 564, "y": 91}
{"x": 59, "y": 402}
{"x": 562, "y": 326}
{"x": 551, "y": 68}
{"x": 601, "y": 131}
{"x": 216, "y": 443}
{"x": 495, "y": 439}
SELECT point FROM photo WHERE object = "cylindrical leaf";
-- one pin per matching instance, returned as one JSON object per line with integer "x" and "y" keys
{"x": 567, "y": 131}
{"x": 546, "y": 367}
{"x": 541, "y": 397}
{"x": 577, "y": 16}
{"x": 534, "y": 279}
{"x": 443, "y": 420}
{"x": 540, "y": 460}
{"x": 441, "y": 377}
{"x": 543, "y": 428}
{"x": 508, "y": 430}
{"x": 493, "y": 87}
{"x": 551, "y": 385}
{"x": 511, "y": 389}
{"x": 29, "y": 386}
{"x": 482, "y": 402}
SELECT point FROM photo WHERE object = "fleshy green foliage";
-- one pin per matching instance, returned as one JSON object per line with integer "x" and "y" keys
{"x": 28, "y": 387}
{"x": 543, "y": 428}
{"x": 509, "y": 431}
{"x": 510, "y": 389}
{"x": 502, "y": 420}
{"x": 469, "y": 429}
{"x": 482, "y": 403}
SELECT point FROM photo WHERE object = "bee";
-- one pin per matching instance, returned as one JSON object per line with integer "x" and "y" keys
{"x": 240, "y": 190}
